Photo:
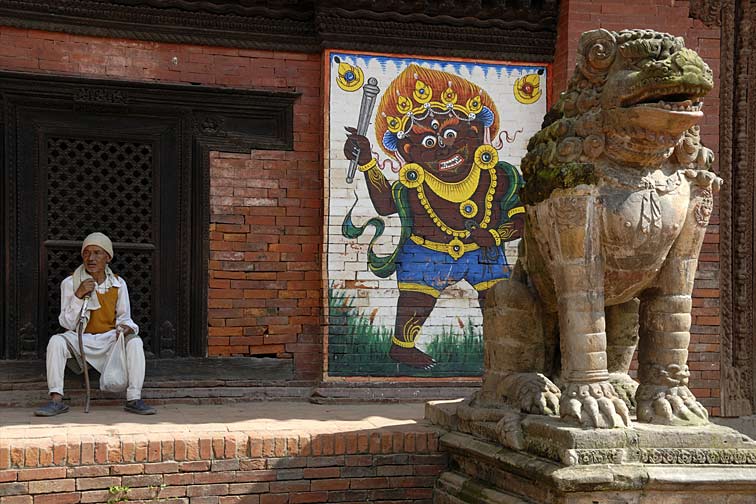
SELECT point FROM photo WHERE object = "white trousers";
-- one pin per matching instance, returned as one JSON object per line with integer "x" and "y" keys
{"x": 59, "y": 351}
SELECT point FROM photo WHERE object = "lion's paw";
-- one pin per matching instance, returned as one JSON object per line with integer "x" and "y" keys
{"x": 533, "y": 393}
{"x": 625, "y": 388}
{"x": 594, "y": 405}
{"x": 664, "y": 405}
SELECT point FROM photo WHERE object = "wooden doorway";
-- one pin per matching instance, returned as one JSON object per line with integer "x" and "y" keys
{"x": 130, "y": 160}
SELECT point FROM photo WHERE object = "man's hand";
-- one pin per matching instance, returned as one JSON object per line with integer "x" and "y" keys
{"x": 124, "y": 329}
{"x": 482, "y": 237}
{"x": 357, "y": 146}
{"x": 85, "y": 288}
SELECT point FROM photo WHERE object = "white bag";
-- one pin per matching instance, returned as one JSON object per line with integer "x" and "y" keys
{"x": 115, "y": 377}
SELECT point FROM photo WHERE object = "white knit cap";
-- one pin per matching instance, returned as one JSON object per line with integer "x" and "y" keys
{"x": 100, "y": 240}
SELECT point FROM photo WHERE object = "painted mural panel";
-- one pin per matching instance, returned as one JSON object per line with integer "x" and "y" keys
{"x": 422, "y": 212}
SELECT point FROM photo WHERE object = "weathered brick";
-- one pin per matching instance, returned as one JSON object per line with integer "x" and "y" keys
{"x": 58, "y": 498}
{"x": 13, "y": 488}
{"x": 263, "y": 475}
{"x": 359, "y": 460}
{"x": 396, "y": 470}
{"x": 287, "y": 462}
{"x": 96, "y": 483}
{"x": 126, "y": 469}
{"x": 348, "y": 496}
{"x": 289, "y": 486}
{"x": 214, "y": 477}
{"x": 363, "y": 483}
{"x": 39, "y": 474}
{"x": 199, "y": 465}
{"x": 274, "y": 499}
{"x": 87, "y": 471}
{"x": 50, "y": 486}
{"x": 321, "y": 472}
{"x": 31, "y": 456}
{"x": 289, "y": 474}
{"x": 179, "y": 479}
{"x": 240, "y": 499}
{"x": 325, "y": 461}
{"x": 154, "y": 453}
{"x": 10, "y": 475}
{"x": 248, "y": 488}
{"x": 358, "y": 472}
{"x": 95, "y": 496}
{"x": 142, "y": 480}
{"x": 301, "y": 497}
{"x": 161, "y": 468}
{"x": 329, "y": 484}
{"x": 4, "y": 455}
{"x": 253, "y": 464}
{"x": 17, "y": 499}
{"x": 206, "y": 490}
{"x": 225, "y": 465}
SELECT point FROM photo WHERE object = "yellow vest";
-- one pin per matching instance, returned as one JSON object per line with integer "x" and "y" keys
{"x": 104, "y": 319}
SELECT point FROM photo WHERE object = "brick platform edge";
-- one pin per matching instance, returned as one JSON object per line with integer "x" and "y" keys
{"x": 382, "y": 466}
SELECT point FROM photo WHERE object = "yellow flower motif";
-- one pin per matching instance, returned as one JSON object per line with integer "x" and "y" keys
{"x": 486, "y": 157}
{"x": 394, "y": 124}
{"x": 350, "y": 78}
{"x": 449, "y": 96}
{"x": 423, "y": 93}
{"x": 403, "y": 105}
{"x": 468, "y": 209}
{"x": 527, "y": 89}
{"x": 411, "y": 175}
{"x": 475, "y": 104}
{"x": 456, "y": 248}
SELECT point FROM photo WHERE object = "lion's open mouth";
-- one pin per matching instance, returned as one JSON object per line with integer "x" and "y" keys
{"x": 675, "y": 105}
{"x": 685, "y": 99}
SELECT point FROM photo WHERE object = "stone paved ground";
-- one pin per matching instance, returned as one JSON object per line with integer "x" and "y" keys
{"x": 270, "y": 417}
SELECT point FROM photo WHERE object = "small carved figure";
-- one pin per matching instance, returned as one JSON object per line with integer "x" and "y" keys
{"x": 618, "y": 193}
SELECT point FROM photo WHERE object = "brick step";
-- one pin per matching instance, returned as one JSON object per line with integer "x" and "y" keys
{"x": 255, "y": 453}
{"x": 177, "y": 394}
{"x": 396, "y": 390}
{"x": 187, "y": 380}
{"x": 456, "y": 488}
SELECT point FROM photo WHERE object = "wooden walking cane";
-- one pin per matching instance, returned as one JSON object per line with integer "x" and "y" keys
{"x": 80, "y": 332}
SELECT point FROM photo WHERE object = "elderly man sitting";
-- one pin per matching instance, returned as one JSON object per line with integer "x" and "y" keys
{"x": 109, "y": 313}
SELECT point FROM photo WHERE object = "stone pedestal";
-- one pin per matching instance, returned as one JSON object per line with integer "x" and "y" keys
{"x": 558, "y": 464}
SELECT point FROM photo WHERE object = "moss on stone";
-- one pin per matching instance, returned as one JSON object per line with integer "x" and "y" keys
{"x": 543, "y": 182}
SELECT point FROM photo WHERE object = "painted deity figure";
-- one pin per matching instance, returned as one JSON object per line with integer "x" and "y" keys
{"x": 456, "y": 201}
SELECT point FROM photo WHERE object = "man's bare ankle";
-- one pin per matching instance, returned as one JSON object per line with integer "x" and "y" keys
{"x": 56, "y": 397}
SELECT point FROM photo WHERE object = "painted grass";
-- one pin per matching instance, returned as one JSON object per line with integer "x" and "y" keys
{"x": 356, "y": 347}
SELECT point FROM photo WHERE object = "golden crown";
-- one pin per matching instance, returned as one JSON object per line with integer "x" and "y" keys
{"x": 424, "y": 106}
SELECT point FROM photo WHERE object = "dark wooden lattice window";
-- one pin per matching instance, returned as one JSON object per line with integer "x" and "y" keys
{"x": 102, "y": 185}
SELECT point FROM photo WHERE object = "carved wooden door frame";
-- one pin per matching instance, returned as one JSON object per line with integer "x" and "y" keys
{"x": 737, "y": 164}
{"x": 202, "y": 119}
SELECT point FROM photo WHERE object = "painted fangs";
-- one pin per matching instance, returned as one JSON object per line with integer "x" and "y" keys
{"x": 450, "y": 163}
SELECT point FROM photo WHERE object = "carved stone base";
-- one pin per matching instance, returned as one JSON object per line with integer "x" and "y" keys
{"x": 559, "y": 464}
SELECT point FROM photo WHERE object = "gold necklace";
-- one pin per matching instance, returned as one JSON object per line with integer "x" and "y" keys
{"x": 442, "y": 225}
{"x": 456, "y": 192}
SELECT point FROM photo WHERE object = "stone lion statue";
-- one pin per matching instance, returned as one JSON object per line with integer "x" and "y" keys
{"x": 619, "y": 193}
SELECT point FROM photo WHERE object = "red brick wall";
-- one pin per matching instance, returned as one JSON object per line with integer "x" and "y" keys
{"x": 669, "y": 16}
{"x": 266, "y": 207}
{"x": 389, "y": 465}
